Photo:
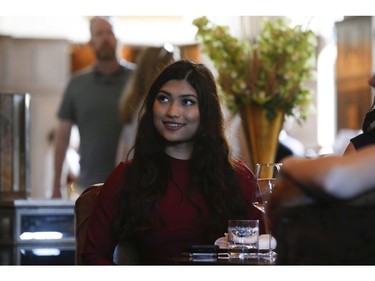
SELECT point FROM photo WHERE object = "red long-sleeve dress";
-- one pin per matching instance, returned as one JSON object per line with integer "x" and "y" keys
{"x": 183, "y": 225}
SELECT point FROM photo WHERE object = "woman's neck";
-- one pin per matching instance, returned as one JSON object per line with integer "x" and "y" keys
{"x": 180, "y": 151}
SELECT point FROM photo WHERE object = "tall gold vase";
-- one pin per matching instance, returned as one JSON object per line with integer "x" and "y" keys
{"x": 261, "y": 133}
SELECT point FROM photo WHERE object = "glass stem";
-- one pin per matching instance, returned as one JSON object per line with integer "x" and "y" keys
{"x": 266, "y": 224}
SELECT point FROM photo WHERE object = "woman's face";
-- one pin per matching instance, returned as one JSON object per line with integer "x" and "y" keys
{"x": 176, "y": 111}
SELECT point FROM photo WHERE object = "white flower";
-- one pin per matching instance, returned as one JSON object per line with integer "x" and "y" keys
{"x": 243, "y": 85}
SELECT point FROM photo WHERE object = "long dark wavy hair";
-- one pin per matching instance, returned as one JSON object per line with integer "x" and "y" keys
{"x": 148, "y": 174}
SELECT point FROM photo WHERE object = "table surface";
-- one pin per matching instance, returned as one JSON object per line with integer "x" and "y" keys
{"x": 221, "y": 260}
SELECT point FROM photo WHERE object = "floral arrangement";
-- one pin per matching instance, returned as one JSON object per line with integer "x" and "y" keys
{"x": 269, "y": 72}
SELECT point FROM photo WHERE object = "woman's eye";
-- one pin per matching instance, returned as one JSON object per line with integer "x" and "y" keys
{"x": 189, "y": 101}
{"x": 162, "y": 98}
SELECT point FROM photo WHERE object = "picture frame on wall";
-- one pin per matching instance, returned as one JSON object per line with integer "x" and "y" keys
{"x": 15, "y": 146}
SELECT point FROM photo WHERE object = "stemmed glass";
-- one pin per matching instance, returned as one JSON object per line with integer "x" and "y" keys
{"x": 265, "y": 176}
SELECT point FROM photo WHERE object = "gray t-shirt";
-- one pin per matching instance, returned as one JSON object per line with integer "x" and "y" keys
{"x": 91, "y": 102}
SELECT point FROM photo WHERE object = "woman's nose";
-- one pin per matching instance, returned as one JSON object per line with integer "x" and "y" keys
{"x": 173, "y": 110}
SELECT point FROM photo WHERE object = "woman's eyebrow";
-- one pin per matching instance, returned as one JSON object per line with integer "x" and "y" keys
{"x": 188, "y": 96}
{"x": 164, "y": 92}
{"x": 181, "y": 96}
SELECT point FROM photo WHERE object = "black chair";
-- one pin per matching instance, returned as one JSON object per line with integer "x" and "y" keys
{"x": 125, "y": 253}
{"x": 313, "y": 228}
{"x": 83, "y": 209}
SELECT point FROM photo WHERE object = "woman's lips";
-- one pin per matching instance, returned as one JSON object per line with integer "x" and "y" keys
{"x": 173, "y": 125}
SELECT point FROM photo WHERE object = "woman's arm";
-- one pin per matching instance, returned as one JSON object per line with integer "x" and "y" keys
{"x": 340, "y": 176}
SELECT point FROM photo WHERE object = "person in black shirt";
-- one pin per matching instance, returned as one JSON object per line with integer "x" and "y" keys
{"x": 367, "y": 137}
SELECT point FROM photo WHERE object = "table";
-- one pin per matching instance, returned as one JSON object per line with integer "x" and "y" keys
{"x": 221, "y": 259}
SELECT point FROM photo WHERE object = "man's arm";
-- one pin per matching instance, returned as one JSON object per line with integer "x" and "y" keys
{"x": 340, "y": 176}
{"x": 349, "y": 149}
{"x": 61, "y": 145}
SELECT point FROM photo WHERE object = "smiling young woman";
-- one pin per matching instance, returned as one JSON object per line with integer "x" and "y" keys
{"x": 181, "y": 186}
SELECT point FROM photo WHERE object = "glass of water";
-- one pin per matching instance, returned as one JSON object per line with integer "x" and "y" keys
{"x": 243, "y": 238}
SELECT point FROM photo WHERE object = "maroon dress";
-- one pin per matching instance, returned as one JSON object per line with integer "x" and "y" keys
{"x": 183, "y": 225}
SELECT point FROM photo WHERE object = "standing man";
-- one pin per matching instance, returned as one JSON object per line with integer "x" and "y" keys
{"x": 91, "y": 102}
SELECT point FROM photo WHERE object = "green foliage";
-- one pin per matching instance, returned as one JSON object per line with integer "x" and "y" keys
{"x": 270, "y": 72}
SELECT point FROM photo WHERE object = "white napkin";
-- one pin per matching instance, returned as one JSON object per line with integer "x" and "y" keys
{"x": 222, "y": 242}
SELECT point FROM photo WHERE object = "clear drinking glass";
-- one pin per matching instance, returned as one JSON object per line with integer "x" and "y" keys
{"x": 243, "y": 238}
{"x": 265, "y": 175}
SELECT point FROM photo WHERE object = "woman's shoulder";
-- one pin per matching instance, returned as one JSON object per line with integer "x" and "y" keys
{"x": 117, "y": 177}
{"x": 242, "y": 169}
{"x": 244, "y": 176}
{"x": 239, "y": 164}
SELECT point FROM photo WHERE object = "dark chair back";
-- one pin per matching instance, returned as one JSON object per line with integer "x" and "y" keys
{"x": 83, "y": 209}
{"x": 319, "y": 230}
{"x": 125, "y": 252}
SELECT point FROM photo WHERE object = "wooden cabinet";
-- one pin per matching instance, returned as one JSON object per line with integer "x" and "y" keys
{"x": 354, "y": 60}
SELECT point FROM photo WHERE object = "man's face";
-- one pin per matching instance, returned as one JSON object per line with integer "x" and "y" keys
{"x": 103, "y": 40}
